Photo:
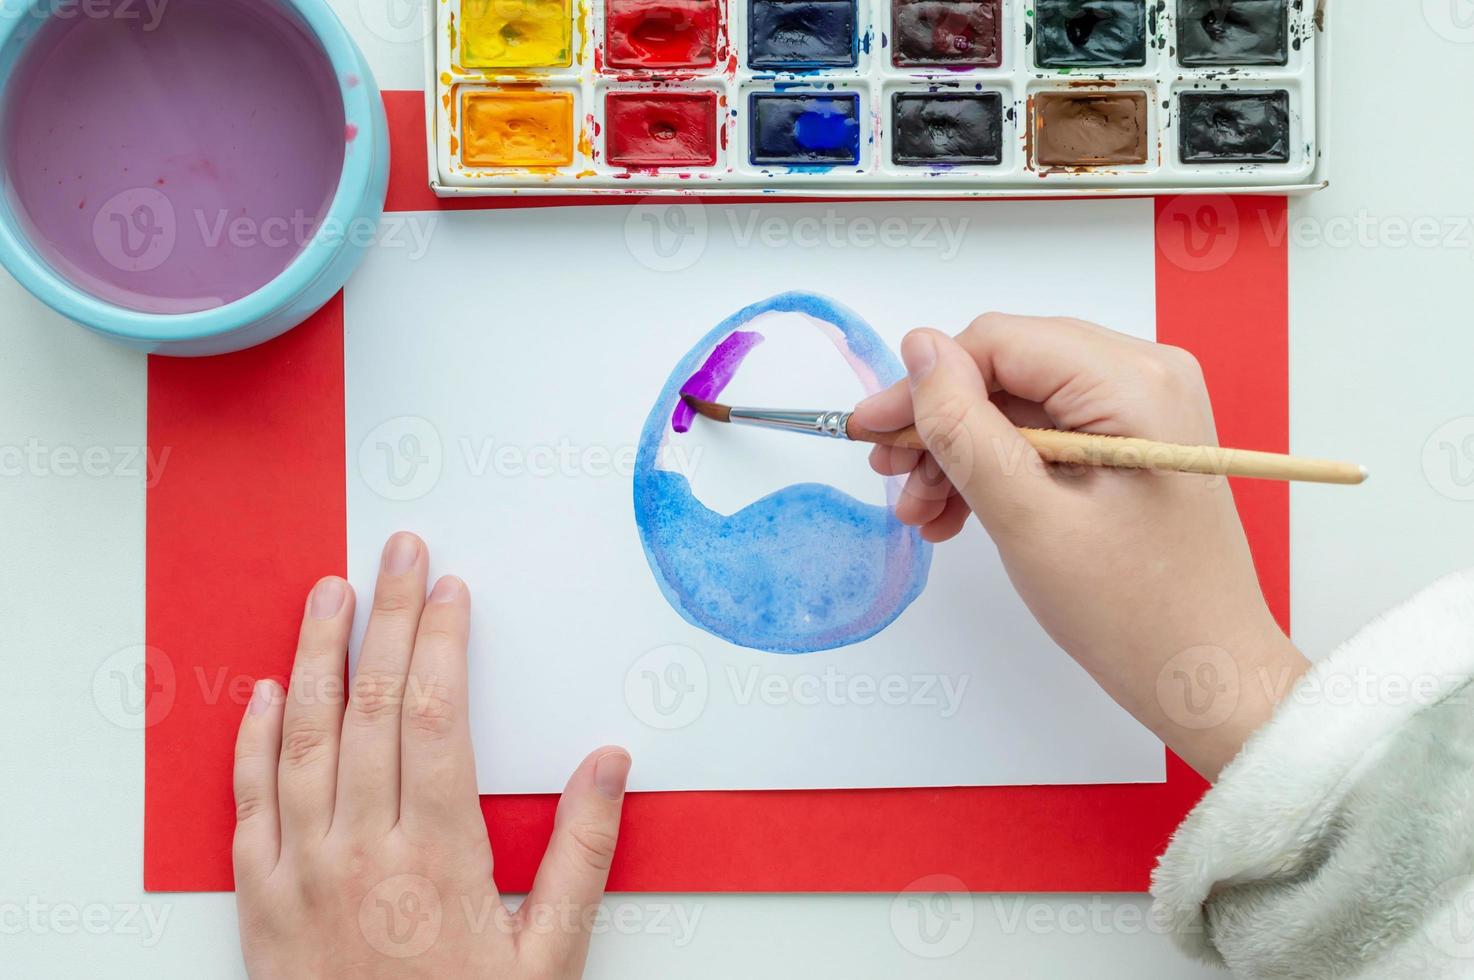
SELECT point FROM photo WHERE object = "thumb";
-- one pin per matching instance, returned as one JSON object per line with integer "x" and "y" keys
{"x": 570, "y": 882}
{"x": 983, "y": 455}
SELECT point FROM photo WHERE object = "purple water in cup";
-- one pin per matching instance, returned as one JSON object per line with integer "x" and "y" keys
{"x": 174, "y": 156}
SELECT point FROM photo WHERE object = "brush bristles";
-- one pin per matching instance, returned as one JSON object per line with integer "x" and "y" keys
{"x": 711, "y": 410}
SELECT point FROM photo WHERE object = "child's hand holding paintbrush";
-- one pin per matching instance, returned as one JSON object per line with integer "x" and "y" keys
{"x": 1130, "y": 571}
{"x": 1126, "y": 570}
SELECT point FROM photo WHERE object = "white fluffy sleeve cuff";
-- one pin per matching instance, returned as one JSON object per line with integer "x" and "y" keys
{"x": 1340, "y": 841}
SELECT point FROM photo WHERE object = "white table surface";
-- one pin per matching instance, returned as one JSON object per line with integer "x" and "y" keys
{"x": 1382, "y": 365}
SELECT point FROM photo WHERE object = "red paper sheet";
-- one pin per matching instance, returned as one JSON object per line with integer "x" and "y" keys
{"x": 252, "y": 511}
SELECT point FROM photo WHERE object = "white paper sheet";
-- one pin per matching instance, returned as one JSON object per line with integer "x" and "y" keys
{"x": 500, "y": 367}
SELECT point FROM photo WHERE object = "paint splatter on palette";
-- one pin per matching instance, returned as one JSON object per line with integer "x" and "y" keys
{"x": 893, "y": 97}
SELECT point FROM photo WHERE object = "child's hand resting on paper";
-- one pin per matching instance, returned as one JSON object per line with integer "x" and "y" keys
{"x": 360, "y": 849}
{"x": 1144, "y": 578}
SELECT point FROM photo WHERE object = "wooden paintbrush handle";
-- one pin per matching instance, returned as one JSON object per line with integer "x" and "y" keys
{"x": 1084, "y": 448}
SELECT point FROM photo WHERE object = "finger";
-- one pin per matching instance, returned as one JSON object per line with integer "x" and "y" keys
{"x": 893, "y": 460}
{"x": 313, "y": 715}
{"x": 576, "y": 866}
{"x": 886, "y": 411}
{"x": 1063, "y": 365}
{"x": 949, "y": 523}
{"x": 981, "y": 452}
{"x": 925, "y": 493}
{"x": 438, "y": 785}
{"x": 1035, "y": 357}
{"x": 1022, "y": 412}
{"x": 368, "y": 762}
{"x": 257, "y": 749}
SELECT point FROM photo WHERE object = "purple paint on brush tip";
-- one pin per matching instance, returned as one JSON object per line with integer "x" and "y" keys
{"x": 713, "y": 376}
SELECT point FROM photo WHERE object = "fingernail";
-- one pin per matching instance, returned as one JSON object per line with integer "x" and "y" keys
{"x": 263, "y": 696}
{"x": 919, "y": 351}
{"x": 610, "y": 774}
{"x": 401, "y": 553}
{"x": 448, "y": 589}
{"x": 327, "y": 599}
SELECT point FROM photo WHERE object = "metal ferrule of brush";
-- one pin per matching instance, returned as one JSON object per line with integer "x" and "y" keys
{"x": 834, "y": 425}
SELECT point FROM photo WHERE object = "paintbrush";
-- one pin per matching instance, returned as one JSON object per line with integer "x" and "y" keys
{"x": 1054, "y": 446}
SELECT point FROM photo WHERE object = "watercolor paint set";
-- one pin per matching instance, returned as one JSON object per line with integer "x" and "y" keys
{"x": 904, "y": 98}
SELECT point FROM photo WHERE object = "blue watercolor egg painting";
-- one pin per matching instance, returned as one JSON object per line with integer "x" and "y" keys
{"x": 803, "y": 569}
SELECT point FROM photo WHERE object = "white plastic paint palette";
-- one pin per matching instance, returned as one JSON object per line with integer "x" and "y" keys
{"x": 906, "y": 98}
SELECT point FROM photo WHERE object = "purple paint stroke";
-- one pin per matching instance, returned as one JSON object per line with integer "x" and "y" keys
{"x": 713, "y": 376}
